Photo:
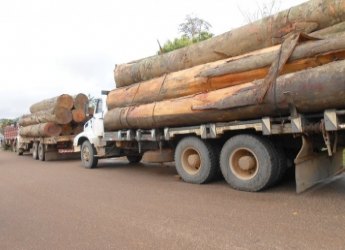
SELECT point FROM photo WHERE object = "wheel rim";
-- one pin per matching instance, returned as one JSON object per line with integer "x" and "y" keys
{"x": 243, "y": 163}
{"x": 86, "y": 154}
{"x": 191, "y": 161}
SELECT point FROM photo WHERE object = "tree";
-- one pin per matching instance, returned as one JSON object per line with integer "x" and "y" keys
{"x": 194, "y": 27}
{"x": 264, "y": 9}
{"x": 193, "y": 30}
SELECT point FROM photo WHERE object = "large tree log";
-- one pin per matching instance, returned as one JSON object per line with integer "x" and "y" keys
{"x": 311, "y": 90}
{"x": 67, "y": 129}
{"x": 64, "y": 100}
{"x": 225, "y": 73}
{"x": 40, "y": 130}
{"x": 57, "y": 115}
{"x": 331, "y": 31}
{"x": 79, "y": 115}
{"x": 80, "y": 101}
{"x": 307, "y": 17}
{"x": 78, "y": 129}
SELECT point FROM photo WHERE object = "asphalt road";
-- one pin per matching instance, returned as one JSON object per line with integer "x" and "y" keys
{"x": 60, "y": 205}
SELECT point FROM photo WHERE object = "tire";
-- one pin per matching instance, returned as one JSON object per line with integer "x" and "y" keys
{"x": 41, "y": 152}
{"x": 248, "y": 162}
{"x": 19, "y": 151}
{"x": 35, "y": 150}
{"x": 281, "y": 164}
{"x": 134, "y": 158}
{"x": 196, "y": 161}
{"x": 87, "y": 155}
{"x": 217, "y": 147}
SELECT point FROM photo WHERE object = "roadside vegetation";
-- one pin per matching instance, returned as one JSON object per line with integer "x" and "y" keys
{"x": 192, "y": 30}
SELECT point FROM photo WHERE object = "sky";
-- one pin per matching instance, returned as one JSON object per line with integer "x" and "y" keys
{"x": 50, "y": 47}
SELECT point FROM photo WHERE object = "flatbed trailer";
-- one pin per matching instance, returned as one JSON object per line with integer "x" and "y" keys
{"x": 48, "y": 148}
{"x": 251, "y": 155}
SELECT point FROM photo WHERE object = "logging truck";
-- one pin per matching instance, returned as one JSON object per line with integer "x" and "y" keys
{"x": 235, "y": 105}
{"x": 48, "y": 131}
{"x": 251, "y": 154}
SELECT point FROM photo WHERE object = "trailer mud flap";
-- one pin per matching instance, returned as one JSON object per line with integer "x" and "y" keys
{"x": 314, "y": 168}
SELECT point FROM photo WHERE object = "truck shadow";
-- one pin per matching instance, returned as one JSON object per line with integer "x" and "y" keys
{"x": 287, "y": 184}
{"x": 147, "y": 168}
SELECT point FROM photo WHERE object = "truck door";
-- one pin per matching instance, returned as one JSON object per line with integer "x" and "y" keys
{"x": 97, "y": 120}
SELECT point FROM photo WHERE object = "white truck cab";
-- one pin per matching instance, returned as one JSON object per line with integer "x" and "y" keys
{"x": 93, "y": 144}
{"x": 92, "y": 137}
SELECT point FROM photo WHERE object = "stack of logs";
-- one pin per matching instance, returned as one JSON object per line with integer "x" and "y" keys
{"x": 57, "y": 116}
{"x": 252, "y": 71}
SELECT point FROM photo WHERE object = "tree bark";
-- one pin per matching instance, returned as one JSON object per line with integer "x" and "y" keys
{"x": 225, "y": 73}
{"x": 57, "y": 115}
{"x": 64, "y": 101}
{"x": 78, "y": 129}
{"x": 307, "y": 17}
{"x": 79, "y": 115}
{"x": 66, "y": 129}
{"x": 311, "y": 90}
{"x": 40, "y": 130}
{"x": 80, "y": 101}
{"x": 329, "y": 31}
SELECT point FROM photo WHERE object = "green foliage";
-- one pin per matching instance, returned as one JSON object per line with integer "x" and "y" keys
{"x": 193, "y": 30}
{"x": 183, "y": 41}
{"x": 177, "y": 43}
{"x": 204, "y": 35}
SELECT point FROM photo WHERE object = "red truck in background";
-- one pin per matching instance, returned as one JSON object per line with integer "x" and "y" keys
{"x": 10, "y": 136}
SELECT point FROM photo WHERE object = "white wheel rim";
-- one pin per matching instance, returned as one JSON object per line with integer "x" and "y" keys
{"x": 86, "y": 154}
{"x": 191, "y": 161}
{"x": 243, "y": 163}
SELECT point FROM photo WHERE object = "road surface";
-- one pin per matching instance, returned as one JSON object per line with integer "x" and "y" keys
{"x": 60, "y": 205}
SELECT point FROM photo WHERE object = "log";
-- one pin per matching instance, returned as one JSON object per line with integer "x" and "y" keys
{"x": 40, "y": 130}
{"x": 311, "y": 90}
{"x": 307, "y": 17}
{"x": 66, "y": 129}
{"x": 329, "y": 31}
{"x": 80, "y": 101}
{"x": 64, "y": 101}
{"x": 79, "y": 115}
{"x": 57, "y": 115}
{"x": 225, "y": 73}
{"x": 78, "y": 129}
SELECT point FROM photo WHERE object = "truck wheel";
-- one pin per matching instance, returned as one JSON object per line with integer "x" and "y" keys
{"x": 195, "y": 160}
{"x": 134, "y": 158}
{"x": 281, "y": 164}
{"x": 41, "y": 152}
{"x": 14, "y": 147}
{"x": 35, "y": 150}
{"x": 248, "y": 162}
{"x": 20, "y": 151}
{"x": 88, "y": 155}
